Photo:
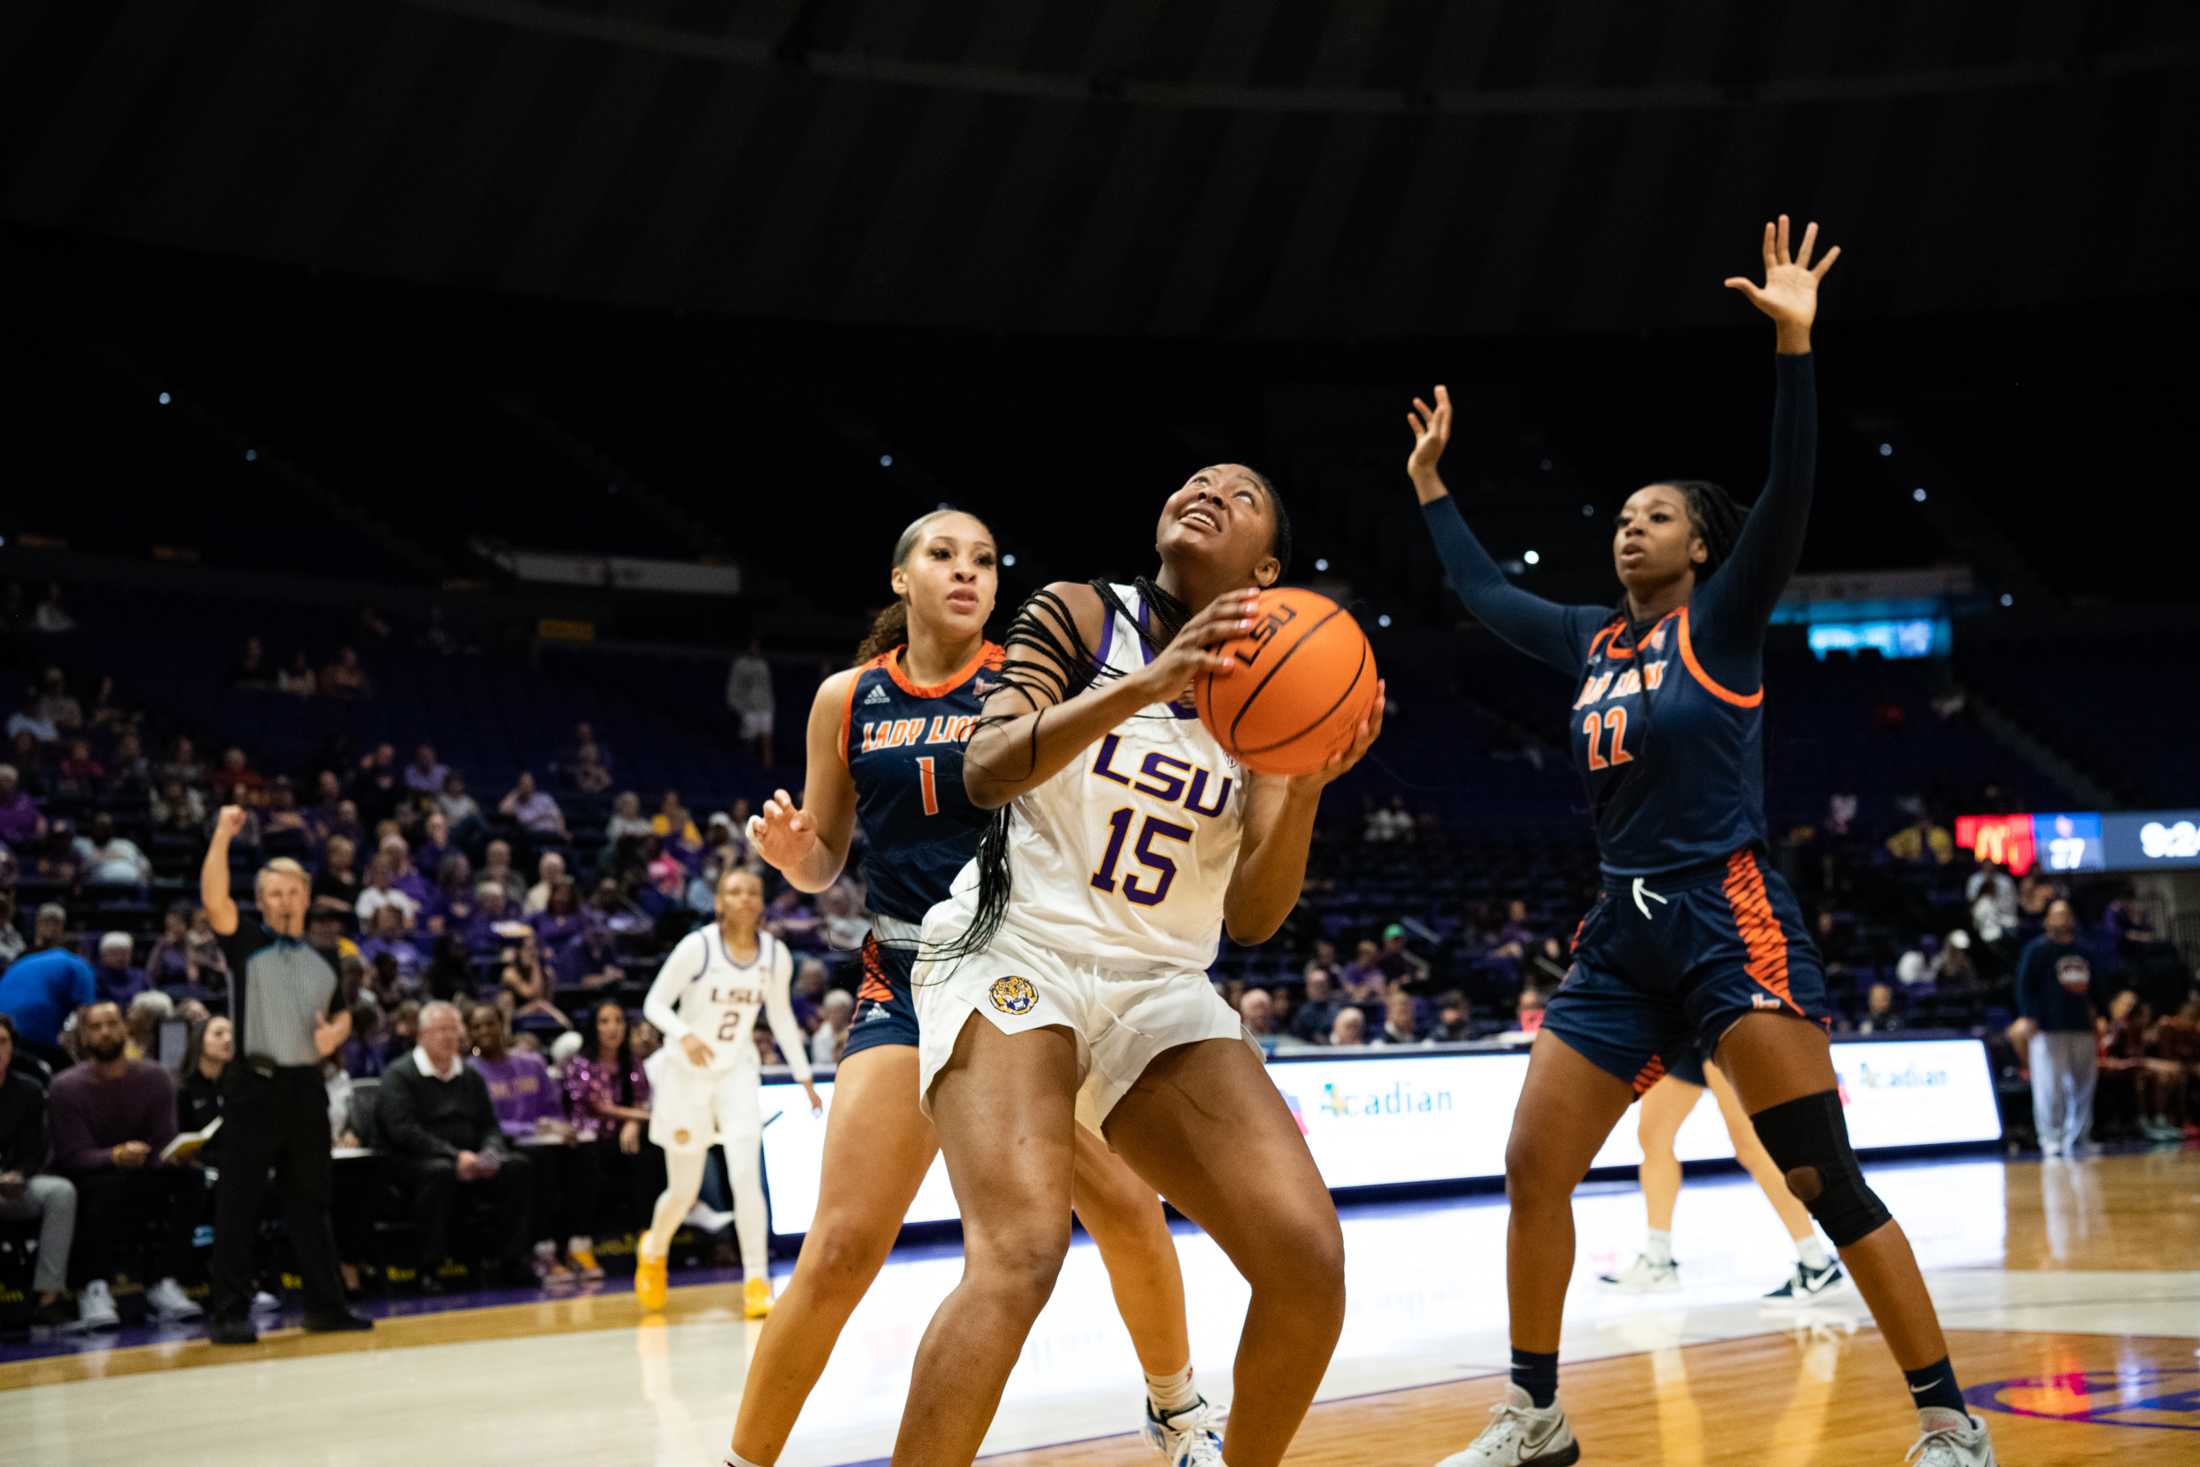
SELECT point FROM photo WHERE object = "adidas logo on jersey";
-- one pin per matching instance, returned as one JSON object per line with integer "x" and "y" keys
{"x": 878, "y": 695}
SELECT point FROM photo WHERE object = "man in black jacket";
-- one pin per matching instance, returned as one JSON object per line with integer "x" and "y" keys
{"x": 24, "y": 1194}
{"x": 434, "y": 1119}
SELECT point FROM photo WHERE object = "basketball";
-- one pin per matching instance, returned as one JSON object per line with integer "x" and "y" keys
{"x": 1303, "y": 683}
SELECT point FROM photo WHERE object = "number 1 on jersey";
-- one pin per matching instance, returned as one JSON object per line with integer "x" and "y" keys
{"x": 1613, "y": 722}
{"x": 929, "y": 782}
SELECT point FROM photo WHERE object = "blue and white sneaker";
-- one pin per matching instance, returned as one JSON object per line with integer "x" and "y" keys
{"x": 1191, "y": 1437}
{"x": 1808, "y": 1286}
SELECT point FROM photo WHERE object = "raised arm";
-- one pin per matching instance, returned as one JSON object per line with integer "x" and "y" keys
{"x": 1733, "y": 607}
{"x": 809, "y": 844}
{"x": 1548, "y": 632}
{"x": 1050, "y": 706}
{"x": 221, "y": 911}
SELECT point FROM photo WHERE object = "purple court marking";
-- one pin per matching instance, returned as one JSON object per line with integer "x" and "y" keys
{"x": 2118, "y": 1394}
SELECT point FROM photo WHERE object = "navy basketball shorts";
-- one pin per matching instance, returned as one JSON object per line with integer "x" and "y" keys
{"x": 885, "y": 1011}
{"x": 1664, "y": 966}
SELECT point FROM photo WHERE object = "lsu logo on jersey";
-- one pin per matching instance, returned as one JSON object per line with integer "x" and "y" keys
{"x": 1013, "y": 995}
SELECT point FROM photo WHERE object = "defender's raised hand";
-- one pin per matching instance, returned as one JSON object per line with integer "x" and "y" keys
{"x": 1431, "y": 428}
{"x": 1790, "y": 292}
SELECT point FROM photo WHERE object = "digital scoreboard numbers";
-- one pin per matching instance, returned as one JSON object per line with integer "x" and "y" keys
{"x": 2079, "y": 841}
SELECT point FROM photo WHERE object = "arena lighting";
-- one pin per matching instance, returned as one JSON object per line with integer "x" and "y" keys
{"x": 1321, "y": 565}
{"x": 252, "y": 455}
{"x": 164, "y": 399}
{"x": 1008, "y": 562}
{"x": 1545, "y": 465}
{"x": 885, "y": 460}
{"x": 2007, "y": 599}
{"x": 1886, "y": 450}
{"x": 1588, "y": 511}
{"x": 1918, "y": 495}
{"x": 1532, "y": 558}
{"x": 1383, "y": 620}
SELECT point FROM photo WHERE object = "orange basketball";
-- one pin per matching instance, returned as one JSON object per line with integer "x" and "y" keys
{"x": 1304, "y": 681}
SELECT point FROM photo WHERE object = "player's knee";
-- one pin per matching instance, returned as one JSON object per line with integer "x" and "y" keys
{"x": 1809, "y": 1143}
{"x": 1530, "y": 1179}
{"x": 842, "y": 1260}
{"x": 1021, "y": 1267}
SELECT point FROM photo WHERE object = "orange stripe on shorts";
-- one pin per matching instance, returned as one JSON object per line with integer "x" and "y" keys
{"x": 1760, "y": 927}
{"x": 1649, "y": 1074}
{"x": 874, "y": 988}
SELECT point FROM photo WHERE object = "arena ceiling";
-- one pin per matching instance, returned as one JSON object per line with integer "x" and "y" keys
{"x": 1268, "y": 169}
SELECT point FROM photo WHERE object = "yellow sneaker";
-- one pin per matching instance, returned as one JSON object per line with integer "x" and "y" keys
{"x": 756, "y": 1298}
{"x": 585, "y": 1264}
{"x": 650, "y": 1288}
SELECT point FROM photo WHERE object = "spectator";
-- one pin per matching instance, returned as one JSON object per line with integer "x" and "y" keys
{"x": 1362, "y": 979}
{"x": 252, "y": 670}
{"x": 458, "y": 807}
{"x": 534, "y": 810}
{"x": 169, "y": 965}
{"x": 1528, "y": 1010}
{"x": 749, "y": 698}
{"x": 1515, "y": 939}
{"x": 42, "y": 988}
{"x": 531, "y": 1110}
{"x": 284, "y": 823}
{"x": 11, "y": 937}
{"x": 345, "y": 678}
{"x": 130, "y": 767}
{"x": 206, "y": 1057}
{"x": 386, "y": 938}
{"x": 1953, "y": 970}
{"x": 1348, "y": 1028}
{"x": 2157, "y": 1085}
{"x": 184, "y": 765}
{"x": 20, "y": 820}
{"x": 440, "y": 1131}
{"x": 236, "y": 773}
{"x": 2055, "y": 1011}
{"x": 1257, "y": 1011}
{"x": 57, "y": 705}
{"x": 336, "y": 885}
{"x": 377, "y": 789}
{"x": 404, "y": 876}
{"x": 426, "y": 774}
{"x": 1992, "y": 893}
{"x": 79, "y": 774}
{"x": 1401, "y": 1019}
{"x": 497, "y": 868}
{"x": 524, "y": 978}
{"x": 607, "y": 1097}
{"x": 586, "y": 772}
{"x": 1922, "y": 842}
{"x": 50, "y": 617}
{"x": 1400, "y": 964}
{"x": 382, "y": 891}
{"x": 118, "y": 981}
{"x": 496, "y": 921}
{"x": 298, "y": 679}
{"x": 178, "y": 809}
{"x": 26, "y": 1196}
{"x": 626, "y": 823}
{"x": 1454, "y": 1019}
{"x": 1318, "y": 1013}
{"x": 111, "y": 1119}
{"x": 1880, "y": 1014}
{"x": 560, "y": 924}
{"x": 435, "y": 844}
{"x": 112, "y": 860}
{"x": 550, "y": 870}
{"x": 835, "y": 1013}
{"x": 141, "y": 1021}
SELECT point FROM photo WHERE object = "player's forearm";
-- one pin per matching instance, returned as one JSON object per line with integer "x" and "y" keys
{"x": 1011, "y": 758}
{"x": 1271, "y": 870}
{"x": 817, "y": 868}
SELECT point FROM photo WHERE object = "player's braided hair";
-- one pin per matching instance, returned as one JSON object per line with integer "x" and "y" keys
{"x": 1716, "y": 519}
{"x": 890, "y": 628}
{"x": 1279, "y": 542}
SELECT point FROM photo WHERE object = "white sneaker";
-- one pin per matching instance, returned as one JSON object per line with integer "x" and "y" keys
{"x": 1953, "y": 1446}
{"x": 1520, "y": 1436}
{"x": 168, "y": 1302}
{"x": 1191, "y": 1437}
{"x": 95, "y": 1307}
{"x": 1643, "y": 1277}
{"x": 265, "y": 1303}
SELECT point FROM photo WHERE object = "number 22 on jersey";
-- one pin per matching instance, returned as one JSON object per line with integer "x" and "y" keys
{"x": 1611, "y": 726}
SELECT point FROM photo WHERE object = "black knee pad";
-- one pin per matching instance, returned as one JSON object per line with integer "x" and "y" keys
{"x": 1809, "y": 1142}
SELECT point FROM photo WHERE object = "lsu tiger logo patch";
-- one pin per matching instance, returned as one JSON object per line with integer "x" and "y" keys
{"x": 1013, "y": 995}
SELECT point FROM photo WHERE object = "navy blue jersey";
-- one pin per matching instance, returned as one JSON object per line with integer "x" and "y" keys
{"x": 904, "y": 747}
{"x": 1668, "y": 729}
{"x": 1673, "y": 760}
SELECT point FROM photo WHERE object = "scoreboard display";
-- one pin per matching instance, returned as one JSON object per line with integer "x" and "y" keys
{"x": 2145, "y": 840}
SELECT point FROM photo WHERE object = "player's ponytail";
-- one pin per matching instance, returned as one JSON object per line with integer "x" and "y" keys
{"x": 890, "y": 628}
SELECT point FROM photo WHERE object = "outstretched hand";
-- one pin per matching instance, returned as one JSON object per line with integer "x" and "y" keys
{"x": 1431, "y": 427}
{"x": 783, "y": 835}
{"x": 1790, "y": 292}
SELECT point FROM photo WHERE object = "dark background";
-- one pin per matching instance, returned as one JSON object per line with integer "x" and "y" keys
{"x": 670, "y": 279}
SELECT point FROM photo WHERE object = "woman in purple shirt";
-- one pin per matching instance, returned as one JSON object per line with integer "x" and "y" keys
{"x": 607, "y": 1099}
{"x": 531, "y": 1112}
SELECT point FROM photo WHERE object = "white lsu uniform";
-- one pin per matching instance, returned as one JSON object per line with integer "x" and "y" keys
{"x": 1118, "y": 868}
{"x": 701, "y": 990}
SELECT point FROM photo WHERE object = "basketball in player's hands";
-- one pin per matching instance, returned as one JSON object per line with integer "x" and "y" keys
{"x": 1304, "y": 682}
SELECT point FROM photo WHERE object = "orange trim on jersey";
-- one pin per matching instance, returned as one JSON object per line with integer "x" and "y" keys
{"x": 1710, "y": 685}
{"x": 1759, "y": 925}
{"x": 1649, "y": 1074}
{"x": 1618, "y": 653}
{"x": 988, "y": 656}
{"x": 848, "y": 709}
{"x": 874, "y": 988}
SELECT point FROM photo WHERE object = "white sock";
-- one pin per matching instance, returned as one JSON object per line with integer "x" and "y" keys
{"x": 735, "y": 1459}
{"x": 1813, "y": 1253}
{"x": 1658, "y": 1247}
{"x": 1173, "y": 1392}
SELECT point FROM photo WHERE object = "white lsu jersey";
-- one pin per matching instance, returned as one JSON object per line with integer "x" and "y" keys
{"x": 702, "y": 990}
{"x": 1123, "y": 857}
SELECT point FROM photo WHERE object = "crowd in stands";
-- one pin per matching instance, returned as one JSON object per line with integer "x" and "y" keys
{"x": 494, "y": 947}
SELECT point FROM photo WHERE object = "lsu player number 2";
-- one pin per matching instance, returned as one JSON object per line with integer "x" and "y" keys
{"x": 1159, "y": 862}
